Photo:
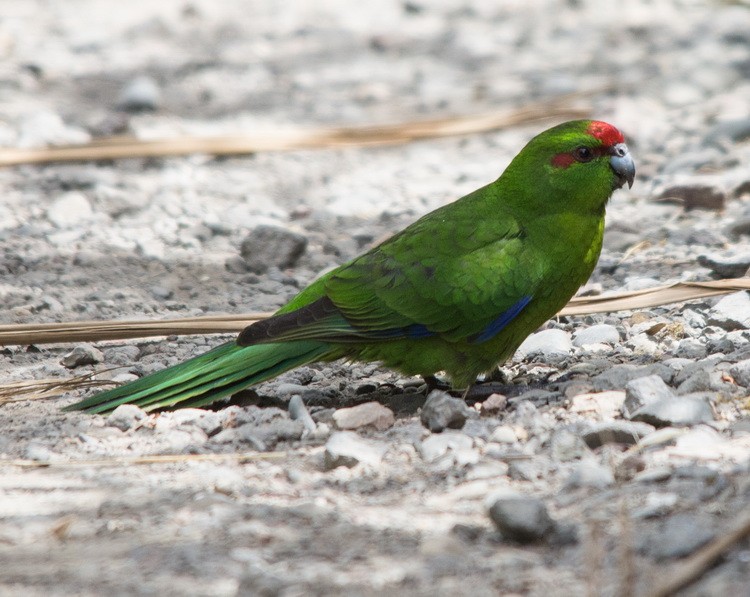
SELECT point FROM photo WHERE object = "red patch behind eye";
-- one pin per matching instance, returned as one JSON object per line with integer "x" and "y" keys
{"x": 562, "y": 160}
{"x": 606, "y": 133}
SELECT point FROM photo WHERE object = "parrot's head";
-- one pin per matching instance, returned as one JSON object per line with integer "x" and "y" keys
{"x": 581, "y": 163}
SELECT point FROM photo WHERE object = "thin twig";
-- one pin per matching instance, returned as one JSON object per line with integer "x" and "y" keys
{"x": 685, "y": 573}
{"x": 280, "y": 140}
{"x": 154, "y": 459}
{"x": 95, "y": 331}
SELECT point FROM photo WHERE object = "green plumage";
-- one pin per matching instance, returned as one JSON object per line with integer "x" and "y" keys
{"x": 457, "y": 291}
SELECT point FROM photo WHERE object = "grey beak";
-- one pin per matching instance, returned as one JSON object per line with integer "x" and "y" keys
{"x": 622, "y": 165}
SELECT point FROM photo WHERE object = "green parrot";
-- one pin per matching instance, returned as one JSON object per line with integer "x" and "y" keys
{"x": 456, "y": 291}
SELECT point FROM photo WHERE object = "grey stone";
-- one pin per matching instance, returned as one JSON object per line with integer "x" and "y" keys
{"x": 734, "y": 266}
{"x": 590, "y": 473}
{"x": 740, "y": 372}
{"x": 643, "y": 391}
{"x": 298, "y": 412}
{"x": 83, "y": 354}
{"x": 656, "y": 505}
{"x": 690, "y": 348}
{"x": 679, "y": 536}
{"x": 346, "y": 448}
{"x": 617, "y": 377}
{"x": 140, "y": 94}
{"x": 566, "y": 445}
{"x": 705, "y": 381}
{"x": 596, "y": 334}
{"x": 522, "y": 518}
{"x": 268, "y": 246}
{"x": 536, "y": 397}
{"x": 732, "y": 312}
{"x": 441, "y": 411}
{"x": 616, "y": 432}
{"x": 551, "y": 343}
{"x": 369, "y": 414}
{"x": 736, "y": 130}
{"x": 682, "y": 411}
{"x": 126, "y": 416}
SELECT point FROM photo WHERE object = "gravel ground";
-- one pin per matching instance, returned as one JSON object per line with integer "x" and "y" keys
{"x": 612, "y": 448}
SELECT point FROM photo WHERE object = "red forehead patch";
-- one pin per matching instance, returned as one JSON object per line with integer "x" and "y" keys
{"x": 606, "y": 133}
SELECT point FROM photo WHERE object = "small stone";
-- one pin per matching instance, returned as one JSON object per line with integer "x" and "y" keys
{"x": 644, "y": 391}
{"x": 268, "y": 246}
{"x": 38, "y": 452}
{"x": 590, "y": 473}
{"x": 298, "y": 412}
{"x": 567, "y": 446}
{"x": 679, "y": 536}
{"x": 83, "y": 354}
{"x": 616, "y": 432}
{"x": 369, "y": 414}
{"x": 503, "y": 434}
{"x": 140, "y": 95}
{"x": 596, "y": 334}
{"x": 126, "y": 416}
{"x": 438, "y": 445}
{"x": 606, "y": 405}
{"x": 548, "y": 344}
{"x": 681, "y": 411}
{"x": 734, "y": 266}
{"x": 617, "y": 377}
{"x": 740, "y": 372}
{"x": 732, "y": 312}
{"x": 656, "y": 474}
{"x": 69, "y": 209}
{"x": 346, "y": 448}
{"x": 494, "y": 404}
{"x": 690, "y": 348}
{"x": 656, "y": 505}
{"x": 441, "y": 411}
{"x": 695, "y": 196}
{"x": 522, "y": 518}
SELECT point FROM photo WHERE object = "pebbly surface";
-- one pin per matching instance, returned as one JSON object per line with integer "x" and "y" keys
{"x": 609, "y": 449}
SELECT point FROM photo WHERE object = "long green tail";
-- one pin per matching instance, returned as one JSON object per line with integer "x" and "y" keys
{"x": 199, "y": 381}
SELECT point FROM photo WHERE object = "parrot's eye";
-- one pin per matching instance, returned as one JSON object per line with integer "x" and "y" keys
{"x": 583, "y": 154}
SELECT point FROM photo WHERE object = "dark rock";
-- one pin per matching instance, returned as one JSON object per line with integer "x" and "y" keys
{"x": 616, "y": 432}
{"x": 441, "y": 411}
{"x": 695, "y": 196}
{"x": 734, "y": 266}
{"x": 268, "y": 246}
{"x": 522, "y": 518}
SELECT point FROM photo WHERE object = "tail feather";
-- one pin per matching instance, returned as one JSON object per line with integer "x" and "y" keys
{"x": 206, "y": 378}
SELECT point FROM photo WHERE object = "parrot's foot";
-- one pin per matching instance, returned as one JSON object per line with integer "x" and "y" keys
{"x": 433, "y": 383}
{"x": 481, "y": 391}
